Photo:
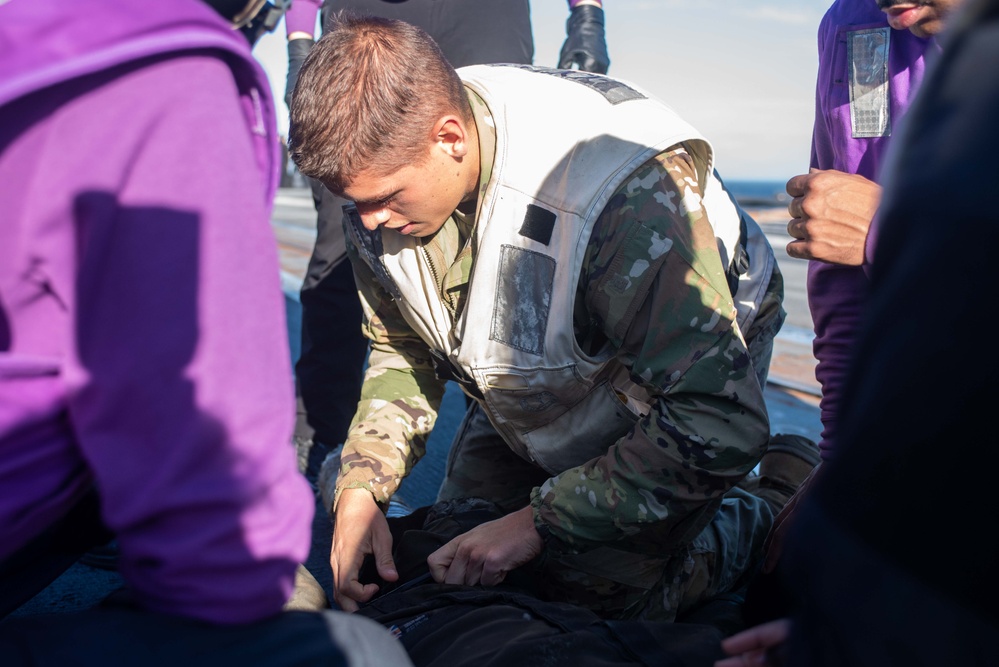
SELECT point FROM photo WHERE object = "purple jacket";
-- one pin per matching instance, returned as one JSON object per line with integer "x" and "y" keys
{"x": 853, "y": 29}
{"x": 301, "y": 16}
{"x": 143, "y": 349}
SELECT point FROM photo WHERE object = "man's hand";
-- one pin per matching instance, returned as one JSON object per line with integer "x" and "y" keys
{"x": 759, "y": 645}
{"x": 485, "y": 554}
{"x": 359, "y": 529}
{"x": 831, "y": 213}
{"x": 774, "y": 544}
{"x": 585, "y": 44}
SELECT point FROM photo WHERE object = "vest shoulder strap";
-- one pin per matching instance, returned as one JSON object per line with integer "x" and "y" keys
{"x": 369, "y": 247}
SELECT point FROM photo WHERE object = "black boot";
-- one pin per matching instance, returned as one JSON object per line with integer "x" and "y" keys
{"x": 788, "y": 461}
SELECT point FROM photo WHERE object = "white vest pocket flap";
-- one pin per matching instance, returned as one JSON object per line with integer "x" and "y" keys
{"x": 581, "y": 433}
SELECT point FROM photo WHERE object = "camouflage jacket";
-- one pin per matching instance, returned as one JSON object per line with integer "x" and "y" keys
{"x": 707, "y": 426}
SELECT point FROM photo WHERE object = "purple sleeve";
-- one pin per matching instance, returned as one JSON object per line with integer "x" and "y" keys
{"x": 180, "y": 386}
{"x": 832, "y": 290}
{"x": 822, "y": 147}
{"x": 301, "y": 16}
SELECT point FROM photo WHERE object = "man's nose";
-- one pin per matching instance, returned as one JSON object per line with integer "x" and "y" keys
{"x": 375, "y": 217}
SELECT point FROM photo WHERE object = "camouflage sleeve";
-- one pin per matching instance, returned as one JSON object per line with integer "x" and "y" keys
{"x": 708, "y": 426}
{"x": 399, "y": 398}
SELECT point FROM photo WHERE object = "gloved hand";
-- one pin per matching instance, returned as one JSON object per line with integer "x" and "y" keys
{"x": 298, "y": 49}
{"x": 585, "y": 44}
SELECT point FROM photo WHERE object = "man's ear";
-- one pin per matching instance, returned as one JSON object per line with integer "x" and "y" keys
{"x": 451, "y": 135}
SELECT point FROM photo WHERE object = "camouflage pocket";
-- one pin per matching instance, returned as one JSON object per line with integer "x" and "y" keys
{"x": 629, "y": 277}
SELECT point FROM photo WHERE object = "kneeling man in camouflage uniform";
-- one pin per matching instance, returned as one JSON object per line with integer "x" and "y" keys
{"x": 559, "y": 244}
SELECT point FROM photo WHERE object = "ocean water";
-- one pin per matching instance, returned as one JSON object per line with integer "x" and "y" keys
{"x": 759, "y": 193}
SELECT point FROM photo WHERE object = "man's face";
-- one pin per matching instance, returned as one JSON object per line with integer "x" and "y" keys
{"x": 415, "y": 200}
{"x": 923, "y": 18}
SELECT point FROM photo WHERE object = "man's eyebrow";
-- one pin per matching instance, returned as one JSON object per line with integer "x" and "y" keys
{"x": 375, "y": 200}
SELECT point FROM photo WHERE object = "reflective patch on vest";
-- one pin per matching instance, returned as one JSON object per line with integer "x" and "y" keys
{"x": 614, "y": 91}
{"x": 539, "y": 223}
{"x": 867, "y": 54}
{"x": 523, "y": 299}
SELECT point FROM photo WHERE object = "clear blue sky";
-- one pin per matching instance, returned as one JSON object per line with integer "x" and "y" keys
{"x": 741, "y": 71}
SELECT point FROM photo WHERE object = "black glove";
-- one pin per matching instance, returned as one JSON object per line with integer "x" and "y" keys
{"x": 298, "y": 49}
{"x": 585, "y": 44}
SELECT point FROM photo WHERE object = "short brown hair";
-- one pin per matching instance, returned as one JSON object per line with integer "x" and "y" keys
{"x": 367, "y": 97}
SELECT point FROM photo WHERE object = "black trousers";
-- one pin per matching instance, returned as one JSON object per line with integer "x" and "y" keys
{"x": 27, "y": 571}
{"x": 469, "y": 32}
{"x": 333, "y": 351}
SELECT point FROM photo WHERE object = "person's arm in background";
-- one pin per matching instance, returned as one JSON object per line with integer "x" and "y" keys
{"x": 300, "y": 26}
{"x": 585, "y": 46}
{"x": 831, "y": 213}
{"x": 831, "y": 210}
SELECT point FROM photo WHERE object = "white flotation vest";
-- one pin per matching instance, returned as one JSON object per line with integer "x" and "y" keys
{"x": 565, "y": 142}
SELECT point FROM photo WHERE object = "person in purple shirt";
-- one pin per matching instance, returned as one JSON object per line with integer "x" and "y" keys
{"x": 145, "y": 387}
{"x": 878, "y": 578}
{"x": 469, "y": 32}
{"x": 872, "y": 57}
{"x": 868, "y": 75}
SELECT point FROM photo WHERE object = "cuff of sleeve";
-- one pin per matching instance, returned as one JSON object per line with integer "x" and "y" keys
{"x": 300, "y": 47}
{"x": 353, "y": 478}
{"x": 542, "y": 523}
{"x": 870, "y": 243}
